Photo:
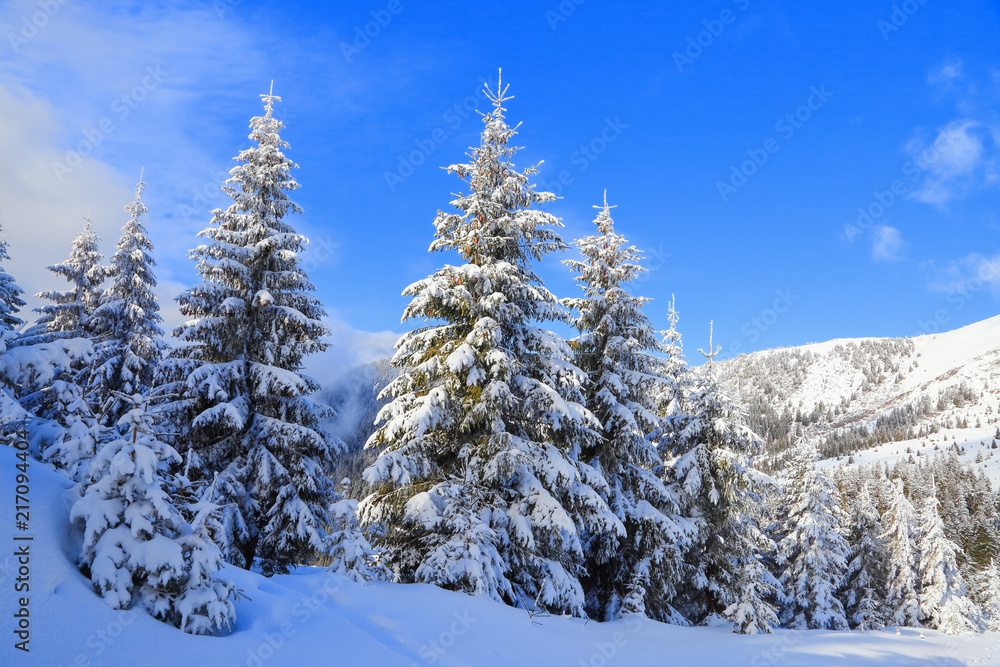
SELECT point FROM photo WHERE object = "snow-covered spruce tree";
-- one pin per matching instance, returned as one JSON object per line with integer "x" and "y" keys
{"x": 71, "y": 310}
{"x": 864, "y": 583}
{"x": 42, "y": 366}
{"x": 675, "y": 431}
{"x": 11, "y": 413}
{"x": 482, "y": 489}
{"x": 126, "y": 320}
{"x": 944, "y": 603}
{"x": 813, "y": 552}
{"x": 718, "y": 488}
{"x": 901, "y": 596}
{"x": 137, "y": 547}
{"x": 41, "y": 395}
{"x": 989, "y": 596}
{"x": 244, "y": 406}
{"x": 10, "y": 295}
{"x": 617, "y": 349}
{"x": 678, "y": 379}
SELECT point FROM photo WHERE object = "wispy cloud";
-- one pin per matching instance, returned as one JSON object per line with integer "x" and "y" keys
{"x": 944, "y": 77}
{"x": 962, "y": 157}
{"x": 886, "y": 244}
{"x": 40, "y": 215}
{"x": 970, "y": 273}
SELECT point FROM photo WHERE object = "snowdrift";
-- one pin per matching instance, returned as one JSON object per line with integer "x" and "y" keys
{"x": 312, "y": 617}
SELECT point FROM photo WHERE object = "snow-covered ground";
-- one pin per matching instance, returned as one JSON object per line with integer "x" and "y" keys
{"x": 314, "y": 618}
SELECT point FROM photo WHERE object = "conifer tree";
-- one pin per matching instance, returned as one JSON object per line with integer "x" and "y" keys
{"x": 944, "y": 603}
{"x": 71, "y": 310}
{"x": 813, "y": 550}
{"x": 127, "y": 320}
{"x": 718, "y": 487}
{"x": 45, "y": 370}
{"x": 40, "y": 392}
{"x": 137, "y": 546}
{"x": 901, "y": 597}
{"x": 864, "y": 588}
{"x": 11, "y": 411}
{"x": 616, "y": 349}
{"x": 670, "y": 401}
{"x": 10, "y": 295}
{"x": 244, "y": 406}
{"x": 482, "y": 489}
{"x": 989, "y": 596}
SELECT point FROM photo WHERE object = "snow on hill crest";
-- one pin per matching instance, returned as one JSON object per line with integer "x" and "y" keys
{"x": 897, "y": 389}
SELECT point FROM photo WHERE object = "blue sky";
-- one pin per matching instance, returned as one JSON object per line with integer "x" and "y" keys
{"x": 794, "y": 172}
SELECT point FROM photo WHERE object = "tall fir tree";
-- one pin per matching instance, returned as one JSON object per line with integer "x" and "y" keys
{"x": 864, "y": 583}
{"x": 812, "y": 552}
{"x": 54, "y": 354}
{"x": 481, "y": 486}
{"x": 710, "y": 463}
{"x": 244, "y": 406}
{"x": 617, "y": 348}
{"x": 678, "y": 382}
{"x": 900, "y": 524}
{"x": 944, "y": 601}
{"x": 127, "y": 321}
{"x": 69, "y": 315}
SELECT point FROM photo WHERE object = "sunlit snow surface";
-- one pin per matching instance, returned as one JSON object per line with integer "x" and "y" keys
{"x": 313, "y": 618}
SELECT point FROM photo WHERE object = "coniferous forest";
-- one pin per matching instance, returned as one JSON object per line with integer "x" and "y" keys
{"x": 599, "y": 476}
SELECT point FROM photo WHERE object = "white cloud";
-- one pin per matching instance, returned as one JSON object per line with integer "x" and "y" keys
{"x": 886, "y": 244}
{"x": 945, "y": 76}
{"x": 961, "y": 158}
{"x": 968, "y": 274}
{"x": 40, "y": 214}
{"x": 349, "y": 347}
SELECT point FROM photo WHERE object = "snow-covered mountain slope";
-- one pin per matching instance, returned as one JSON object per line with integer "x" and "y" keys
{"x": 888, "y": 388}
{"x": 354, "y": 397}
{"x": 315, "y": 618}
